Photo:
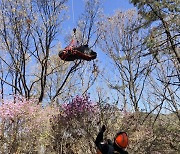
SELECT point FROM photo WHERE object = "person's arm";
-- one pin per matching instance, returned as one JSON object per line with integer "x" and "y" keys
{"x": 103, "y": 147}
{"x": 99, "y": 137}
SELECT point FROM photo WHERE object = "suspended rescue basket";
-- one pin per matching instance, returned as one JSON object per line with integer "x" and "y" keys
{"x": 73, "y": 52}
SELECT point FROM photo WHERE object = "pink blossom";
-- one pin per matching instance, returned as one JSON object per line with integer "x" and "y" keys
{"x": 16, "y": 108}
{"x": 80, "y": 105}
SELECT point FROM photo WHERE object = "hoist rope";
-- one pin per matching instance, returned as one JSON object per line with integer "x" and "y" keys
{"x": 73, "y": 10}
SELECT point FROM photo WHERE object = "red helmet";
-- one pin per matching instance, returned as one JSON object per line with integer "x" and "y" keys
{"x": 121, "y": 140}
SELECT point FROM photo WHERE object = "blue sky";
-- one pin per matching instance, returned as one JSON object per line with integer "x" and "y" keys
{"x": 109, "y": 6}
{"x": 76, "y": 8}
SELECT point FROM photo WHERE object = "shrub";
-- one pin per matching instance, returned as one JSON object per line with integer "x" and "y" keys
{"x": 24, "y": 125}
{"x": 75, "y": 126}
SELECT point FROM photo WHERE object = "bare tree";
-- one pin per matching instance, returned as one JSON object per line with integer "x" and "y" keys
{"x": 124, "y": 46}
{"x": 29, "y": 30}
{"x": 29, "y": 33}
{"x": 164, "y": 96}
{"x": 162, "y": 44}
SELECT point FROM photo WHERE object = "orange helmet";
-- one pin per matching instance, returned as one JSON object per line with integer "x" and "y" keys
{"x": 121, "y": 140}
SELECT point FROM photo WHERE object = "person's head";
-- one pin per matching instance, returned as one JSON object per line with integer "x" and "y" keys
{"x": 121, "y": 140}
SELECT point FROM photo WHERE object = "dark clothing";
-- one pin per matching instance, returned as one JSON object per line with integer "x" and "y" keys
{"x": 108, "y": 147}
{"x": 85, "y": 49}
{"x": 81, "y": 52}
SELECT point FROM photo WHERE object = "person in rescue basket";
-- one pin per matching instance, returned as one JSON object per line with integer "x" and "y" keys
{"x": 109, "y": 147}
